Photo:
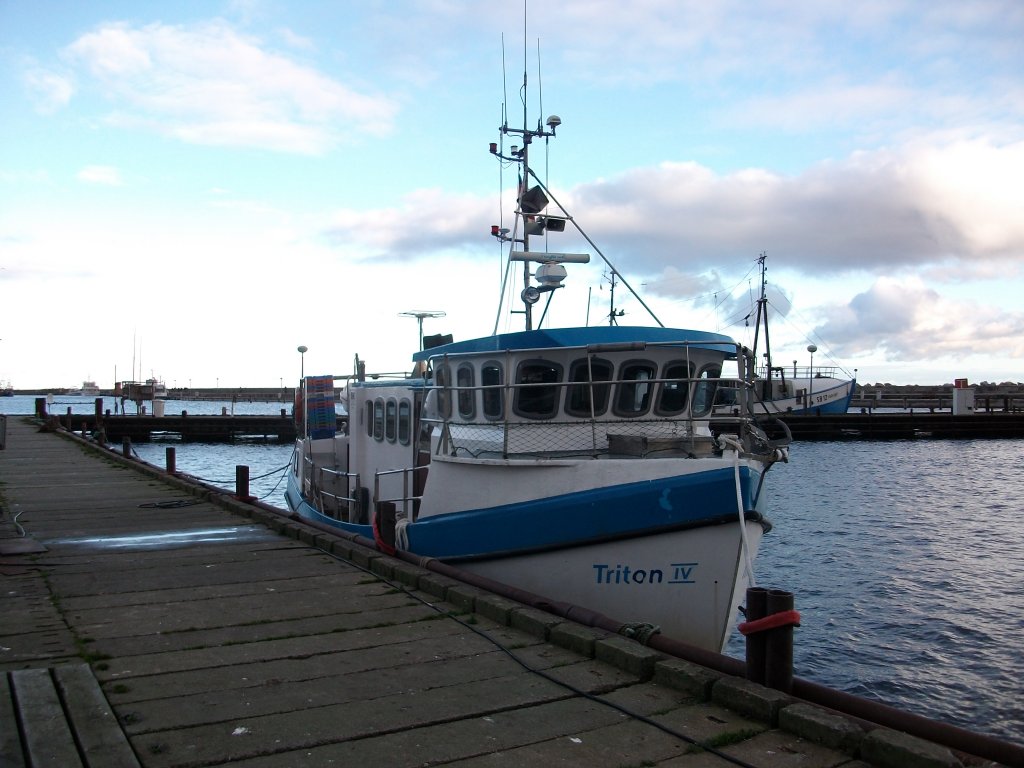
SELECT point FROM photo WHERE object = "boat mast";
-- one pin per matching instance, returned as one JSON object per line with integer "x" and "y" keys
{"x": 530, "y": 202}
{"x": 762, "y": 317}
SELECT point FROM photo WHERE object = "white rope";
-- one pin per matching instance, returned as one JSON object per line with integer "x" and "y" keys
{"x": 744, "y": 544}
{"x": 401, "y": 534}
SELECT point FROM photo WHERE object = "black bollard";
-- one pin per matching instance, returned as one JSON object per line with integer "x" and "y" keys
{"x": 172, "y": 464}
{"x": 757, "y": 608}
{"x": 242, "y": 482}
{"x": 779, "y": 644}
{"x": 126, "y": 446}
{"x": 41, "y": 407}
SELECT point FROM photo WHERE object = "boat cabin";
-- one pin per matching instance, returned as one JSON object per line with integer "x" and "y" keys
{"x": 572, "y": 394}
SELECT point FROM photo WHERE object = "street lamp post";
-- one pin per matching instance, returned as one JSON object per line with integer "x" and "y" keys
{"x": 302, "y": 349}
{"x": 810, "y": 374}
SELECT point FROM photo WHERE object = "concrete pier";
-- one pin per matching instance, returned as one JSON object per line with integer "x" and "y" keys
{"x": 146, "y": 625}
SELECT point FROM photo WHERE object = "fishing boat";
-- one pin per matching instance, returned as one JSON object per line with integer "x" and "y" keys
{"x": 6, "y": 389}
{"x": 584, "y": 464}
{"x": 88, "y": 389}
{"x": 795, "y": 389}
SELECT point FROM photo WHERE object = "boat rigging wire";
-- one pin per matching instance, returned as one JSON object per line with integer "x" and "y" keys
{"x": 540, "y": 672}
{"x": 594, "y": 245}
{"x": 812, "y": 336}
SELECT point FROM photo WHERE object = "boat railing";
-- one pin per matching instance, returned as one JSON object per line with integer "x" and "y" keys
{"x": 688, "y": 429}
{"x": 331, "y": 489}
{"x": 334, "y": 491}
{"x": 800, "y": 372}
{"x": 407, "y": 503}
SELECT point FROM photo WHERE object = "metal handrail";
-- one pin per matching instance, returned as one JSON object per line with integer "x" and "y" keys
{"x": 406, "y": 496}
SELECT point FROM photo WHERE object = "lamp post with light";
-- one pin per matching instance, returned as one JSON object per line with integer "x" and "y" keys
{"x": 810, "y": 374}
{"x": 302, "y": 349}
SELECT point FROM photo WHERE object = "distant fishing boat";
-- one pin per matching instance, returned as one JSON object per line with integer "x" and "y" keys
{"x": 806, "y": 389}
{"x": 6, "y": 390}
{"x": 88, "y": 389}
{"x": 585, "y": 464}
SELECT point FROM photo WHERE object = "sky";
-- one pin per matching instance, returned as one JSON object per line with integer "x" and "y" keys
{"x": 193, "y": 190}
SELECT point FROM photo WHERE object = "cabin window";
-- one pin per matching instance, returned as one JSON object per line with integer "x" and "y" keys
{"x": 493, "y": 396}
{"x": 467, "y": 395}
{"x": 442, "y": 379}
{"x": 378, "y": 419}
{"x": 633, "y": 396}
{"x": 704, "y": 391}
{"x": 391, "y": 419}
{"x": 588, "y": 390}
{"x": 537, "y": 390}
{"x": 404, "y": 421}
{"x": 673, "y": 392}
{"x": 369, "y": 418}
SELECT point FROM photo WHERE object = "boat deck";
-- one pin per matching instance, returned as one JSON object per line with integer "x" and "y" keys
{"x": 145, "y": 625}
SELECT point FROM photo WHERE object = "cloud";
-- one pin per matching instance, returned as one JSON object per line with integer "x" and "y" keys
{"x": 950, "y": 208}
{"x": 49, "y": 90}
{"x": 100, "y": 174}
{"x": 208, "y": 84}
{"x": 428, "y": 220}
{"x": 910, "y": 321}
{"x": 874, "y": 211}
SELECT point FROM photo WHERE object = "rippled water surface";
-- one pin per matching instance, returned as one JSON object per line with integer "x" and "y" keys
{"x": 906, "y": 560}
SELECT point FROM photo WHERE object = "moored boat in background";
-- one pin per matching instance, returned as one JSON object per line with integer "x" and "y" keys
{"x": 809, "y": 389}
{"x": 88, "y": 389}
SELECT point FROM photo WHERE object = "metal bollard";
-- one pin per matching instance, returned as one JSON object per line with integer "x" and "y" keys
{"x": 779, "y": 644}
{"x": 769, "y": 633}
{"x": 126, "y": 446}
{"x": 757, "y": 608}
{"x": 172, "y": 464}
{"x": 242, "y": 482}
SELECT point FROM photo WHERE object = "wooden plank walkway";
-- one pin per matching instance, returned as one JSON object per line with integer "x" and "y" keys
{"x": 154, "y": 627}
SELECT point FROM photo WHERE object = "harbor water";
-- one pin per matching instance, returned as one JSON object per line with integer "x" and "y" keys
{"x": 906, "y": 559}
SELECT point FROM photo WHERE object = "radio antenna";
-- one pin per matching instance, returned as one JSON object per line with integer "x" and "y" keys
{"x": 504, "y": 84}
{"x": 540, "y": 87}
